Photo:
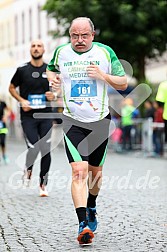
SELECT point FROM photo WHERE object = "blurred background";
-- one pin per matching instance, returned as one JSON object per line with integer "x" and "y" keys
{"x": 136, "y": 30}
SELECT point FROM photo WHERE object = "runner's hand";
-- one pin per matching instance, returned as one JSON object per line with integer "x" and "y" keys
{"x": 95, "y": 72}
{"x": 50, "y": 96}
{"x": 56, "y": 82}
{"x": 25, "y": 104}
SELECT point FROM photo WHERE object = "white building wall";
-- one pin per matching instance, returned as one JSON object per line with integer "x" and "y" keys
{"x": 12, "y": 54}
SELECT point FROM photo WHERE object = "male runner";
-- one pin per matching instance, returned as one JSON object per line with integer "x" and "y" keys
{"x": 85, "y": 69}
{"x": 34, "y": 97}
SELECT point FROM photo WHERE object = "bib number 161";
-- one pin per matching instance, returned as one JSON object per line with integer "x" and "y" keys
{"x": 84, "y": 90}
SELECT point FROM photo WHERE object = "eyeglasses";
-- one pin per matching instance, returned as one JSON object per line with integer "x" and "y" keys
{"x": 82, "y": 36}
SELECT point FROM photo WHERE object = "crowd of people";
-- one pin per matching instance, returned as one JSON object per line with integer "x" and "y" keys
{"x": 86, "y": 117}
{"x": 128, "y": 126}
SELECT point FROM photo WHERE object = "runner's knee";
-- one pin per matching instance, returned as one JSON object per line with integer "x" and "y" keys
{"x": 79, "y": 171}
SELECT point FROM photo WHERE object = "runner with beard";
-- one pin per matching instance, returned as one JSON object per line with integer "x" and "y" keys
{"x": 34, "y": 96}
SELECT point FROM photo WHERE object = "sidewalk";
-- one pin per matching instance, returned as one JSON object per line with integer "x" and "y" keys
{"x": 132, "y": 206}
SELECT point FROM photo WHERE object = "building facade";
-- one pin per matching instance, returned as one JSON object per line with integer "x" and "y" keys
{"x": 21, "y": 21}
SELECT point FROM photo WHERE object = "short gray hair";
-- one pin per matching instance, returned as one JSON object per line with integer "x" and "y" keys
{"x": 83, "y": 18}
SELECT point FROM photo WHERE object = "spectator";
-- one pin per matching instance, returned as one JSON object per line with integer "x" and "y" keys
{"x": 12, "y": 118}
{"x": 162, "y": 97}
{"x": 127, "y": 123}
{"x": 116, "y": 136}
{"x": 158, "y": 131}
{"x": 149, "y": 109}
{"x": 4, "y": 113}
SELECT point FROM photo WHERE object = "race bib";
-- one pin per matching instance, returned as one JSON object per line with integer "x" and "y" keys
{"x": 37, "y": 101}
{"x": 83, "y": 88}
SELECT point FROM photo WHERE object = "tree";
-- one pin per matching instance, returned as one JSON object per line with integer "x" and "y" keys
{"x": 136, "y": 30}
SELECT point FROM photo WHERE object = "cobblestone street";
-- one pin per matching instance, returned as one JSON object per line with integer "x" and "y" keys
{"x": 132, "y": 206}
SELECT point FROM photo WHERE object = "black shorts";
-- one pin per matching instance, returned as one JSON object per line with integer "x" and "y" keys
{"x": 86, "y": 141}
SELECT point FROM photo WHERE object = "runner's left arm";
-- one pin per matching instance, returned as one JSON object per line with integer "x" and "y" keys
{"x": 116, "y": 81}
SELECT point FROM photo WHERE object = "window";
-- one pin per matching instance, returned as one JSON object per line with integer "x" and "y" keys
{"x": 8, "y": 34}
{"x": 23, "y": 27}
{"x": 30, "y": 24}
{"x": 39, "y": 21}
{"x": 16, "y": 29}
{"x": 1, "y": 36}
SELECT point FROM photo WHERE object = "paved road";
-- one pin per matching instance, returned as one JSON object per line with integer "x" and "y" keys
{"x": 132, "y": 206}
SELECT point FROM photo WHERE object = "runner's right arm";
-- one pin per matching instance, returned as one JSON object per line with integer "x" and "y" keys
{"x": 24, "y": 103}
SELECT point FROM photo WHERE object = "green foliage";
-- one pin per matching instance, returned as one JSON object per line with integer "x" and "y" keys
{"x": 136, "y": 30}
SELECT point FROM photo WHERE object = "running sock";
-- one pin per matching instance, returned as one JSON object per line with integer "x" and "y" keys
{"x": 91, "y": 200}
{"x": 81, "y": 213}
